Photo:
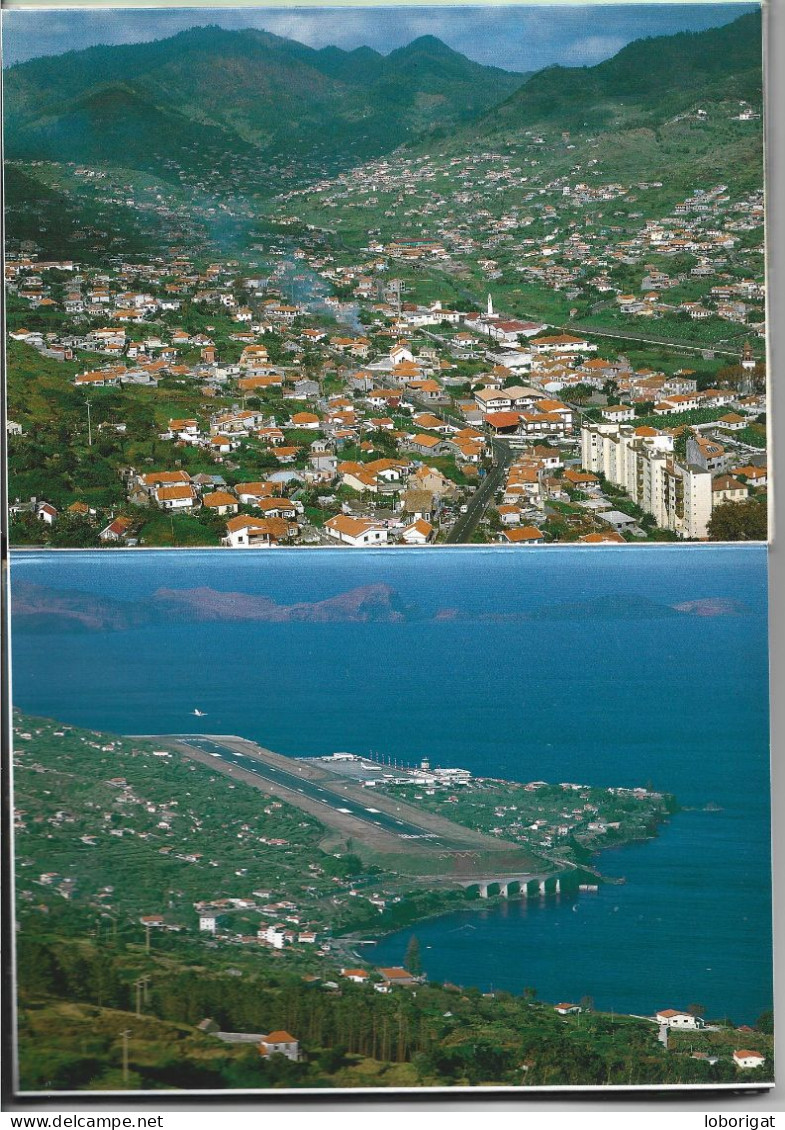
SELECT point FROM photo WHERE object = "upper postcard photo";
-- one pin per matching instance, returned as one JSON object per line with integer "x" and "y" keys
{"x": 385, "y": 275}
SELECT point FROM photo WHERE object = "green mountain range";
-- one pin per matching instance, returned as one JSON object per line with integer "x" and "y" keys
{"x": 648, "y": 81}
{"x": 638, "y": 112}
{"x": 250, "y": 115}
{"x": 208, "y": 97}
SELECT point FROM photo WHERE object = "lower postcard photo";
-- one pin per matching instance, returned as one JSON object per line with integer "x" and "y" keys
{"x": 396, "y": 820}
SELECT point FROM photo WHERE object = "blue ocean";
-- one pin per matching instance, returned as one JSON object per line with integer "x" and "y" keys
{"x": 602, "y": 699}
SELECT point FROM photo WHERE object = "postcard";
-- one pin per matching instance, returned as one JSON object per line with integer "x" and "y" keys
{"x": 436, "y": 284}
{"x": 372, "y": 822}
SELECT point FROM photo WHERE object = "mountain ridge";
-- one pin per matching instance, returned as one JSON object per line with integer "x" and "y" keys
{"x": 262, "y": 91}
{"x": 673, "y": 68}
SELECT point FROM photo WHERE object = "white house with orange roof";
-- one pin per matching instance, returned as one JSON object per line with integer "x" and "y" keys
{"x": 222, "y": 445}
{"x": 358, "y": 976}
{"x": 561, "y": 343}
{"x": 221, "y": 502}
{"x": 755, "y": 476}
{"x": 356, "y": 532}
{"x": 419, "y": 532}
{"x": 247, "y": 532}
{"x": 426, "y": 421}
{"x": 250, "y": 493}
{"x": 181, "y": 496}
{"x": 279, "y": 508}
{"x": 280, "y": 1043}
{"x": 492, "y": 400}
{"x": 748, "y": 1060}
{"x": 732, "y": 422}
{"x": 186, "y": 430}
{"x": 99, "y": 378}
{"x": 674, "y": 1018}
{"x": 117, "y": 529}
{"x": 523, "y": 535}
{"x": 305, "y": 421}
{"x": 509, "y": 514}
{"x": 152, "y": 480}
{"x": 401, "y": 351}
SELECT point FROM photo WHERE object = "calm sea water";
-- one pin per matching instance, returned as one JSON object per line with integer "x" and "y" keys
{"x": 681, "y": 703}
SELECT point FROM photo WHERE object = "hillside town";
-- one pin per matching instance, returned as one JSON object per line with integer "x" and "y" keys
{"x": 498, "y": 217}
{"x": 520, "y": 345}
{"x": 315, "y": 405}
{"x": 512, "y": 329}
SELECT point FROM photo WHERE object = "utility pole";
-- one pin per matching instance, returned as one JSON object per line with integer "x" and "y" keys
{"x": 125, "y": 1036}
{"x": 89, "y": 426}
{"x": 141, "y": 985}
{"x": 113, "y": 920}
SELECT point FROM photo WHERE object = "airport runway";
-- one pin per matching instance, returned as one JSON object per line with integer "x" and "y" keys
{"x": 296, "y": 781}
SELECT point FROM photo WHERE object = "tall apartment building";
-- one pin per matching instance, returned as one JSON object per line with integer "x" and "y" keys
{"x": 641, "y": 460}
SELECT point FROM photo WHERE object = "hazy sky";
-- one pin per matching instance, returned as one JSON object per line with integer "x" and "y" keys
{"x": 520, "y": 38}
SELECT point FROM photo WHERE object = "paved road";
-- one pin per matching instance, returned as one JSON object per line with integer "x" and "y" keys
{"x": 464, "y": 527}
{"x": 462, "y": 531}
{"x": 333, "y": 798}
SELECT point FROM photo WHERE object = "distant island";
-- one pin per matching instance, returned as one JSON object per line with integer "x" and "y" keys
{"x": 44, "y": 608}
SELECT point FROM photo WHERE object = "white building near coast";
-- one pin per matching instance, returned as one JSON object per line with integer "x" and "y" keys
{"x": 641, "y": 461}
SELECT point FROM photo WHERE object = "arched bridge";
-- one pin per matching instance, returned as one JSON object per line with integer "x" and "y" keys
{"x": 525, "y": 886}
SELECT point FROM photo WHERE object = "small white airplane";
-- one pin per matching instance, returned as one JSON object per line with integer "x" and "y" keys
{"x": 199, "y": 713}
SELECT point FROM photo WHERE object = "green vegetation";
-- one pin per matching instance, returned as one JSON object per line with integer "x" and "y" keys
{"x": 678, "y": 419}
{"x": 740, "y": 521}
{"x": 75, "y": 997}
{"x": 57, "y": 220}
{"x": 566, "y": 822}
{"x": 227, "y": 109}
{"x": 754, "y": 435}
{"x": 167, "y": 809}
{"x": 181, "y": 530}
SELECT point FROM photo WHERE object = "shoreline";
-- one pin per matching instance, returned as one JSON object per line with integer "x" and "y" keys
{"x": 374, "y": 937}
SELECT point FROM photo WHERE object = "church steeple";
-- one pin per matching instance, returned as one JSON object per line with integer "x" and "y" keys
{"x": 490, "y": 306}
